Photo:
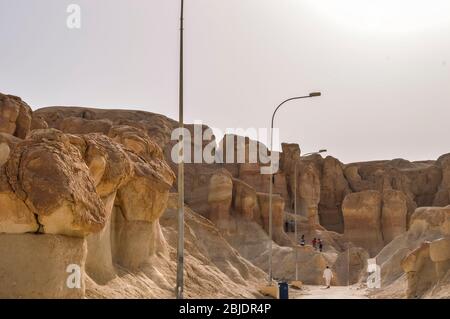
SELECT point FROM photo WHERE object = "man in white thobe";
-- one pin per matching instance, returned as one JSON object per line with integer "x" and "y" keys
{"x": 327, "y": 275}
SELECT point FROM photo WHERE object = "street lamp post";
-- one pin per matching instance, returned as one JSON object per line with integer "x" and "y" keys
{"x": 313, "y": 94}
{"x": 180, "y": 243}
{"x": 295, "y": 211}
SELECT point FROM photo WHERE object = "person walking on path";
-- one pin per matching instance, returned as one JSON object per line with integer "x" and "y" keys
{"x": 327, "y": 275}
{"x": 314, "y": 243}
{"x": 320, "y": 245}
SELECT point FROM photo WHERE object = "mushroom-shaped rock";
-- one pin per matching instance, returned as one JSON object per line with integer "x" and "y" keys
{"x": 145, "y": 196}
{"x": 48, "y": 173}
{"x": 15, "y": 216}
{"x": 108, "y": 163}
{"x": 137, "y": 141}
{"x": 110, "y": 168}
{"x": 139, "y": 204}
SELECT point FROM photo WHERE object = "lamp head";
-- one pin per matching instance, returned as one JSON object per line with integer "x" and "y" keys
{"x": 314, "y": 94}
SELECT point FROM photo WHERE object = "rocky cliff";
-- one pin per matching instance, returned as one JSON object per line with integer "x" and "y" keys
{"x": 96, "y": 189}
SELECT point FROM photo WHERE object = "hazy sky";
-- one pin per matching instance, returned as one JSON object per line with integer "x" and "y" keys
{"x": 383, "y": 66}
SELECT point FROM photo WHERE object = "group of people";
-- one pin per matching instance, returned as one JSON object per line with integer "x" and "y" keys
{"x": 316, "y": 243}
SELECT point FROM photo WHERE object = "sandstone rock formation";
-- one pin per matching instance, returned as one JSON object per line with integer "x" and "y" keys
{"x": 220, "y": 195}
{"x": 334, "y": 188}
{"x": 419, "y": 181}
{"x": 393, "y": 215}
{"x": 373, "y": 219}
{"x": 15, "y": 116}
{"x": 48, "y": 174}
{"x": 98, "y": 182}
{"x": 42, "y": 266}
{"x": 410, "y": 253}
{"x": 245, "y": 201}
{"x": 419, "y": 270}
{"x": 351, "y": 266}
{"x": 362, "y": 216}
{"x": 278, "y": 233}
{"x": 442, "y": 197}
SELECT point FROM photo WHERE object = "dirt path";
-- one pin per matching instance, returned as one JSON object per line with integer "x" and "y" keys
{"x": 319, "y": 292}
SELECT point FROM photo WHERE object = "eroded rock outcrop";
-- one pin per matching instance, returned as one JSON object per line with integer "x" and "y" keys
{"x": 351, "y": 266}
{"x": 393, "y": 215}
{"x": 334, "y": 188}
{"x": 362, "y": 217}
{"x": 419, "y": 181}
{"x": 442, "y": 197}
{"x": 278, "y": 233}
{"x": 15, "y": 116}
{"x": 373, "y": 219}
{"x": 220, "y": 195}
{"x": 107, "y": 191}
{"x": 47, "y": 172}
{"x": 410, "y": 253}
{"x": 245, "y": 200}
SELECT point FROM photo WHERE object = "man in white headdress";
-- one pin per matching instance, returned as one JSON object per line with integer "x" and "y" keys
{"x": 327, "y": 275}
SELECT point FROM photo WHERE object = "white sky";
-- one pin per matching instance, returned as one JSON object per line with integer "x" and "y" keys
{"x": 383, "y": 66}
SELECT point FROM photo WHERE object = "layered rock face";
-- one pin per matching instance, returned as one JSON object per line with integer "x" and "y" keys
{"x": 334, "y": 188}
{"x": 373, "y": 219}
{"x": 419, "y": 181}
{"x": 393, "y": 215}
{"x": 362, "y": 215}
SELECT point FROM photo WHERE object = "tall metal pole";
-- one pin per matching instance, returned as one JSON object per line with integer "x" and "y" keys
{"x": 314, "y": 94}
{"x": 295, "y": 214}
{"x": 180, "y": 244}
{"x": 270, "y": 205}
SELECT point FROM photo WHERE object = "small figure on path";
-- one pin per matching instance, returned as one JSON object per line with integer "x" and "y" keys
{"x": 302, "y": 241}
{"x": 320, "y": 245}
{"x": 314, "y": 243}
{"x": 327, "y": 275}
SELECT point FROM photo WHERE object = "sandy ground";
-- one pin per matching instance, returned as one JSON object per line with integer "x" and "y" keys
{"x": 320, "y": 292}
